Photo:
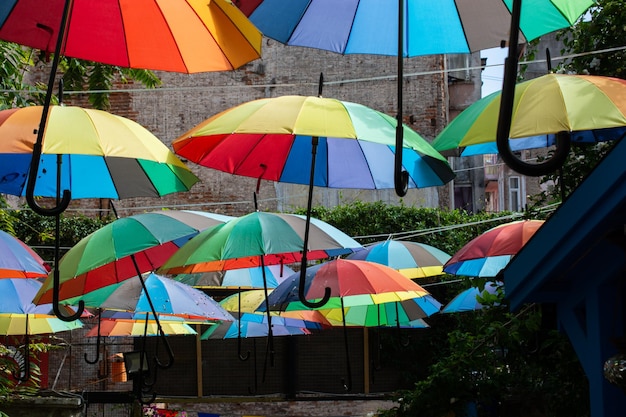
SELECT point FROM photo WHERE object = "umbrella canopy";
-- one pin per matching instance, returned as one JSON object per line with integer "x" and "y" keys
{"x": 489, "y": 253}
{"x": 238, "y": 278}
{"x": 356, "y": 144}
{"x": 241, "y": 242}
{"x": 592, "y": 108}
{"x": 167, "y": 296}
{"x": 351, "y": 283}
{"x": 102, "y": 155}
{"x": 461, "y": 26}
{"x": 124, "y": 248}
{"x": 468, "y": 300}
{"x": 128, "y": 327}
{"x": 16, "y": 324}
{"x": 184, "y": 36}
{"x": 407, "y": 313}
{"x": 18, "y": 260}
{"x": 411, "y": 259}
{"x": 18, "y": 314}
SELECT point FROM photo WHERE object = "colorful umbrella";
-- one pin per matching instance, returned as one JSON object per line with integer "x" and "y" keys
{"x": 254, "y": 325}
{"x": 18, "y": 260}
{"x": 461, "y": 26}
{"x": 17, "y": 324}
{"x": 258, "y": 237}
{"x": 354, "y": 144}
{"x": 128, "y": 327}
{"x": 468, "y": 300}
{"x": 238, "y": 278}
{"x": 351, "y": 283}
{"x": 406, "y": 28}
{"x": 102, "y": 155}
{"x": 125, "y": 248}
{"x": 184, "y": 36}
{"x": 489, "y": 253}
{"x": 166, "y": 295}
{"x": 411, "y": 259}
{"x": 591, "y": 108}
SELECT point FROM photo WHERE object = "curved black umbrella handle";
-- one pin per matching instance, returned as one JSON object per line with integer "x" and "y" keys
{"x": 400, "y": 177}
{"x": 97, "y": 344}
{"x": 307, "y": 226}
{"x": 563, "y": 142}
{"x": 56, "y": 307}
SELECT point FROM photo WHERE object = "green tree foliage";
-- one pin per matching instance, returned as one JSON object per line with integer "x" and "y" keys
{"x": 78, "y": 75}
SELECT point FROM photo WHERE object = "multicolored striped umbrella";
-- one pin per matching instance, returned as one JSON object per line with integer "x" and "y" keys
{"x": 102, "y": 155}
{"x": 18, "y": 260}
{"x": 489, "y": 253}
{"x": 125, "y": 248}
{"x": 468, "y": 299}
{"x": 411, "y": 259}
{"x": 592, "y": 108}
{"x": 186, "y": 36}
{"x": 273, "y": 139}
{"x": 271, "y": 238}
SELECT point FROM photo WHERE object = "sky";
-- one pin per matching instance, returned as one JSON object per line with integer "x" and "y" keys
{"x": 493, "y": 74}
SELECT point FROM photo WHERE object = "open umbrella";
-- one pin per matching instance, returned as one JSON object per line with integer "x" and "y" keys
{"x": 18, "y": 260}
{"x": 137, "y": 327}
{"x": 165, "y": 36}
{"x": 258, "y": 238}
{"x": 126, "y": 248}
{"x": 351, "y": 283}
{"x": 405, "y": 29}
{"x": 589, "y": 108}
{"x": 411, "y": 259}
{"x": 19, "y": 316}
{"x": 487, "y": 254}
{"x": 100, "y": 155}
{"x": 469, "y": 299}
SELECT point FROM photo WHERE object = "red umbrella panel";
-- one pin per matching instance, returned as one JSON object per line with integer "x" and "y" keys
{"x": 489, "y": 253}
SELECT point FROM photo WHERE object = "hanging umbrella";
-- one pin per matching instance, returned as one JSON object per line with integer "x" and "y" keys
{"x": 406, "y": 28}
{"x": 468, "y": 299}
{"x": 461, "y": 26}
{"x": 590, "y": 108}
{"x": 238, "y": 278}
{"x": 254, "y": 325}
{"x": 411, "y": 259}
{"x": 167, "y": 296}
{"x": 137, "y": 327}
{"x": 18, "y": 260}
{"x": 125, "y": 248}
{"x": 255, "y": 238}
{"x": 164, "y": 36}
{"x": 353, "y": 144}
{"x": 487, "y": 254}
{"x": 102, "y": 155}
{"x": 19, "y": 316}
{"x": 345, "y": 283}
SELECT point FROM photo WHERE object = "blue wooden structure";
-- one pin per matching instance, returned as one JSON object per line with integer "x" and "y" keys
{"x": 577, "y": 262}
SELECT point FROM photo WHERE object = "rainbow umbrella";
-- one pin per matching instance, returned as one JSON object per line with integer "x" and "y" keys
{"x": 102, "y": 155}
{"x": 274, "y": 138}
{"x": 110, "y": 327}
{"x": 126, "y": 248}
{"x": 411, "y": 259}
{"x": 185, "y": 36}
{"x": 590, "y": 108}
{"x": 487, "y": 254}
{"x": 247, "y": 278}
{"x": 18, "y": 260}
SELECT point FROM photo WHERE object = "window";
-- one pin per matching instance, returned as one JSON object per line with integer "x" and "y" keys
{"x": 515, "y": 195}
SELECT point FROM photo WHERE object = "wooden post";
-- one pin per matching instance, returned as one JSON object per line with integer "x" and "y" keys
{"x": 366, "y": 361}
{"x": 199, "y": 360}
